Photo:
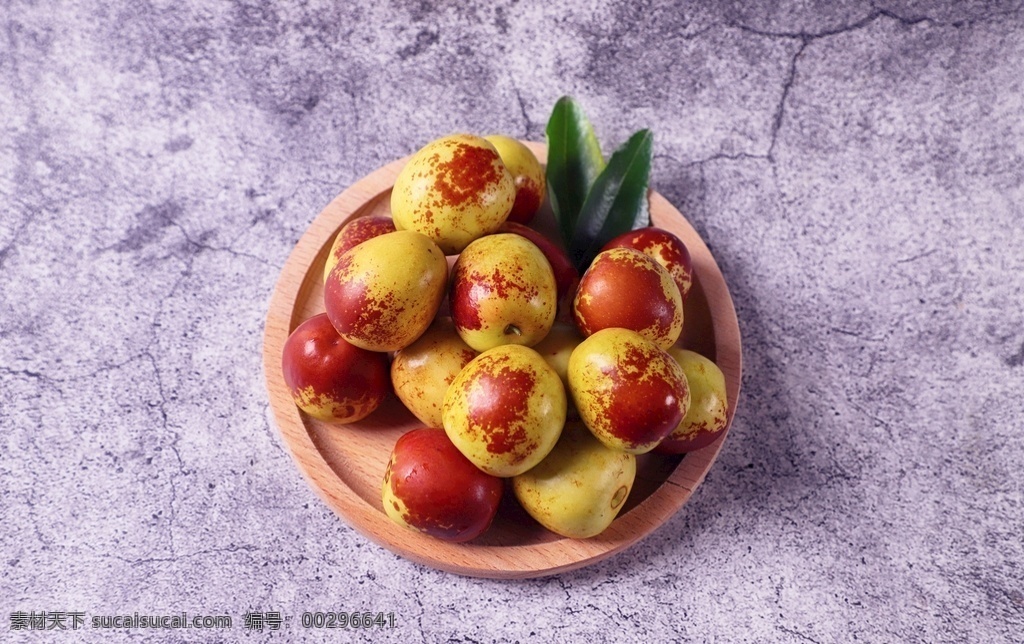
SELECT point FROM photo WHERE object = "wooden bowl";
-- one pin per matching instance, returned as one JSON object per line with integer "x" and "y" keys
{"x": 345, "y": 463}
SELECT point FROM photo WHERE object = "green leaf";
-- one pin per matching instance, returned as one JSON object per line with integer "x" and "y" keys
{"x": 574, "y": 163}
{"x": 617, "y": 202}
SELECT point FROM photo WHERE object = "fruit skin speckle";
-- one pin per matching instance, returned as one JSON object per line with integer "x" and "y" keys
{"x": 528, "y": 173}
{"x": 566, "y": 275}
{"x": 708, "y": 414}
{"x": 431, "y": 487}
{"x": 354, "y": 233}
{"x": 624, "y": 288}
{"x": 664, "y": 248}
{"x": 498, "y": 409}
{"x": 503, "y": 292}
{"x": 630, "y": 393}
{"x": 505, "y": 410}
{"x": 454, "y": 190}
{"x": 579, "y": 489}
{"x": 422, "y": 372}
{"x": 329, "y": 378}
{"x": 379, "y": 303}
{"x": 465, "y": 176}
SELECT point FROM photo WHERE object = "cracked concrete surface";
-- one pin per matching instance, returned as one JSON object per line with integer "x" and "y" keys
{"x": 857, "y": 169}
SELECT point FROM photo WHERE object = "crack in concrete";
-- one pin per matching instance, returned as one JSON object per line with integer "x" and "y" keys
{"x": 780, "y": 110}
{"x": 884, "y": 424}
{"x": 857, "y": 334}
{"x": 169, "y": 219}
{"x": 162, "y": 404}
{"x": 201, "y": 245}
{"x": 527, "y": 121}
{"x": 419, "y": 616}
{"x": 27, "y": 373}
{"x": 268, "y": 428}
{"x": 797, "y": 634}
{"x": 200, "y": 553}
{"x": 35, "y": 491}
{"x": 811, "y": 36}
{"x": 806, "y": 38}
{"x": 914, "y": 258}
{"x": 721, "y": 156}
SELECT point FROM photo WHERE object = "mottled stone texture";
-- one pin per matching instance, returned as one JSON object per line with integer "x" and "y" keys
{"x": 857, "y": 170}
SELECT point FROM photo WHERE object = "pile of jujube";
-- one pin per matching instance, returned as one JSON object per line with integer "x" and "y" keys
{"x": 516, "y": 365}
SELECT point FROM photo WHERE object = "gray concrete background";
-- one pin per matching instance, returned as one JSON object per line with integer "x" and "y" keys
{"x": 858, "y": 171}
